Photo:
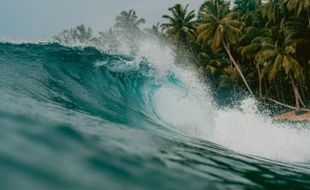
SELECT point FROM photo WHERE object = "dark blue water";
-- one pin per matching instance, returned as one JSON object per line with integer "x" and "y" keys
{"x": 77, "y": 118}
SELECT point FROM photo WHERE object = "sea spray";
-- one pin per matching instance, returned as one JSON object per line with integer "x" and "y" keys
{"x": 245, "y": 129}
{"x": 75, "y": 117}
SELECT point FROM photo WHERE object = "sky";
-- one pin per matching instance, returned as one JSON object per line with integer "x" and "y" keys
{"x": 41, "y": 19}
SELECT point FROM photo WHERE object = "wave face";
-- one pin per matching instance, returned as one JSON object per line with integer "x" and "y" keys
{"x": 78, "y": 118}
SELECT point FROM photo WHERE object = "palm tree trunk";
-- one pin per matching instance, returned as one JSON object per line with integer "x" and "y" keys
{"x": 302, "y": 90}
{"x": 308, "y": 12}
{"x": 286, "y": 105}
{"x": 281, "y": 85}
{"x": 278, "y": 90}
{"x": 298, "y": 99}
{"x": 259, "y": 82}
{"x": 237, "y": 67}
{"x": 265, "y": 86}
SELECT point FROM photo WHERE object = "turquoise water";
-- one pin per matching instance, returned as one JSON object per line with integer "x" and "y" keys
{"x": 77, "y": 118}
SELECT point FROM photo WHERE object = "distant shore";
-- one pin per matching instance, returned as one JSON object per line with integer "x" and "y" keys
{"x": 292, "y": 116}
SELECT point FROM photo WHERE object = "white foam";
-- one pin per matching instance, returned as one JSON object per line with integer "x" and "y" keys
{"x": 191, "y": 111}
{"x": 248, "y": 132}
{"x": 243, "y": 129}
{"x": 184, "y": 111}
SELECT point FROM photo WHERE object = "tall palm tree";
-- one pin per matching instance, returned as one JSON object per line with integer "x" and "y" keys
{"x": 128, "y": 21}
{"x": 181, "y": 25}
{"x": 248, "y": 48}
{"x": 277, "y": 55}
{"x": 220, "y": 26}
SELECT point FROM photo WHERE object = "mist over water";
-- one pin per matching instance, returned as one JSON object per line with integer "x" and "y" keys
{"x": 82, "y": 118}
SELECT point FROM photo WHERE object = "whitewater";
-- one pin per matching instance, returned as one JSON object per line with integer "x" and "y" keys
{"x": 74, "y": 117}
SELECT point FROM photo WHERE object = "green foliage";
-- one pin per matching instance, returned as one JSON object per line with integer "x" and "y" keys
{"x": 264, "y": 43}
{"x": 180, "y": 27}
{"x": 261, "y": 46}
{"x": 297, "y": 6}
{"x": 245, "y": 6}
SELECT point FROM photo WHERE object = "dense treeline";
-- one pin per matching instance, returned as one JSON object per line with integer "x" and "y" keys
{"x": 261, "y": 47}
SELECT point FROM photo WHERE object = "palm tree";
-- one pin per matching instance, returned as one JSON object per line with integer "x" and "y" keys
{"x": 277, "y": 54}
{"x": 181, "y": 25}
{"x": 128, "y": 21}
{"x": 109, "y": 40}
{"x": 248, "y": 48}
{"x": 301, "y": 8}
{"x": 221, "y": 27}
{"x": 248, "y": 10}
{"x": 298, "y": 6}
{"x": 217, "y": 7}
{"x": 154, "y": 30}
{"x": 79, "y": 34}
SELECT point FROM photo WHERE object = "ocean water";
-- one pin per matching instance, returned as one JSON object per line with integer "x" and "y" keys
{"x": 80, "y": 118}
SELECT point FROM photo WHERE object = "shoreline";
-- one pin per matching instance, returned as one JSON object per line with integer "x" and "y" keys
{"x": 292, "y": 116}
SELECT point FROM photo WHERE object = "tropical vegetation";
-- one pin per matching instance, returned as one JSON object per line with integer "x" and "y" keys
{"x": 259, "y": 46}
{"x": 254, "y": 47}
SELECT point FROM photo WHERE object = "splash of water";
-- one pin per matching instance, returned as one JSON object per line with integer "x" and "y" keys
{"x": 125, "y": 117}
{"x": 243, "y": 129}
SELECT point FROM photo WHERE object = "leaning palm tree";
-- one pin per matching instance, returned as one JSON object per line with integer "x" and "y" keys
{"x": 181, "y": 25}
{"x": 220, "y": 27}
{"x": 128, "y": 21}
